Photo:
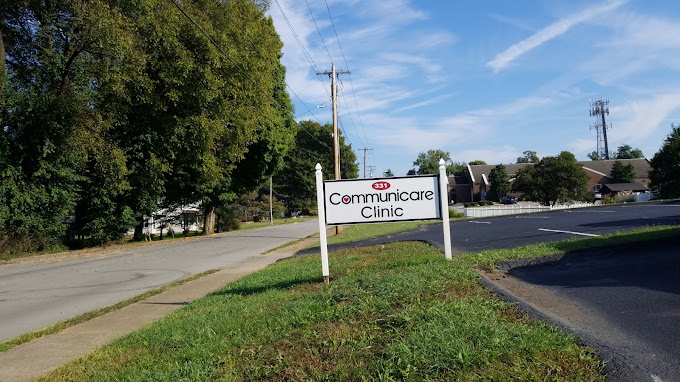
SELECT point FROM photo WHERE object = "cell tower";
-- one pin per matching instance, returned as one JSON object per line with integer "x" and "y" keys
{"x": 599, "y": 109}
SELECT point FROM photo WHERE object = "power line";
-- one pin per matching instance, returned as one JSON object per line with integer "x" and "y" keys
{"x": 302, "y": 46}
{"x": 274, "y": 102}
{"x": 304, "y": 50}
{"x": 356, "y": 104}
{"x": 318, "y": 30}
{"x": 350, "y": 117}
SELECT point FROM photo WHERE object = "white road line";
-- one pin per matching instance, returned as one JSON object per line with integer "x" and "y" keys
{"x": 656, "y": 378}
{"x": 532, "y": 217}
{"x": 573, "y": 233}
{"x": 591, "y": 212}
{"x": 476, "y": 222}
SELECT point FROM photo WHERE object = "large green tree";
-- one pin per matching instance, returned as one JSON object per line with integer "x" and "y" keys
{"x": 428, "y": 162}
{"x": 528, "y": 157}
{"x": 553, "y": 180}
{"x": 627, "y": 152}
{"x": 313, "y": 144}
{"x": 665, "y": 173}
{"x": 112, "y": 107}
{"x": 56, "y": 54}
{"x": 500, "y": 185}
{"x": 623, "y": 173}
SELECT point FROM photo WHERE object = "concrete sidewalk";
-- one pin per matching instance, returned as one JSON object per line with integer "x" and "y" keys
{"x": 45, "y": 354}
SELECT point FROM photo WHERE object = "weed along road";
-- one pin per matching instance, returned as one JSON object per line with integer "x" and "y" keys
{"x": 38, "y": 292}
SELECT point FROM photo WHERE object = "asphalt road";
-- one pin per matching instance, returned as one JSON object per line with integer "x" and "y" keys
{"x": 39, "y": 293}
{"x": 624, "y": 301}
{"x": 517, "y": 230}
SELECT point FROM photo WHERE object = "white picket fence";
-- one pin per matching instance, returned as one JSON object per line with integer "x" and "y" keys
{"x": 483, "y": 212}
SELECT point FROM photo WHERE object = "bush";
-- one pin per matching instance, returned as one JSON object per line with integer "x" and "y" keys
{"x": 455, "y": 214}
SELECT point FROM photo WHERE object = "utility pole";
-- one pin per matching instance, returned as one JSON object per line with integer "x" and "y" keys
{"x": 599, "y": 109}
{"x": 371, "y": 168}
{"x": 365, "y": 149}
{"x": 336, "y": 137}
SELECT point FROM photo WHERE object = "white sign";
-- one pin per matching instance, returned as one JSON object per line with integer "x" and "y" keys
{"x": 358, "y": 201}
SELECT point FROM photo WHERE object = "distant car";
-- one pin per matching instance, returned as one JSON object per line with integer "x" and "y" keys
{"x": 508, "y": 199}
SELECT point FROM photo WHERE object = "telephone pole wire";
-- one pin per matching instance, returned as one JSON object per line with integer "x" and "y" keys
{"x": 336, "y": 137}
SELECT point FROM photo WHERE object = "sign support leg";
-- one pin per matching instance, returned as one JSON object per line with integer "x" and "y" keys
{"x": 322, "y": 224}
{"x": 444, "y": 202}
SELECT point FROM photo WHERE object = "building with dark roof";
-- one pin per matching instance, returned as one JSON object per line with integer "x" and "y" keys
{"x": 474, "y": 184}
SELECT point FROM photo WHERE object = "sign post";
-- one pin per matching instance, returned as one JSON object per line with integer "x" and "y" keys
{"x": 443, "y": 180}
{"x": 322, "y": 224}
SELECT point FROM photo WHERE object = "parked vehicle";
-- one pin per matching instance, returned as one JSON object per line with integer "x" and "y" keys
{"x": 509, "y": 199}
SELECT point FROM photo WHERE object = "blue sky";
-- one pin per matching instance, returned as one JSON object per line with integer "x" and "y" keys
{"x": 485, "y": 80}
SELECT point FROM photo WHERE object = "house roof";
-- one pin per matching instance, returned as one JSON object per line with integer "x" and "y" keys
{"x": 617, "y": 187}
{"x": 641, "y": 166}
{"x": 601, "y": 167}
{"x": 485, "y": 169}
{"x": 458, "y": 180}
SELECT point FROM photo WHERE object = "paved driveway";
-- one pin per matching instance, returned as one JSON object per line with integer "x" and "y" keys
{"x": 623, "y": 301}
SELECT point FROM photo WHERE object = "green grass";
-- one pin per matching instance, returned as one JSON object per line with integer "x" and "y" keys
{"x": 246, "y": 226}
{"x": 365, "y": 231}
{"x": 392, "y": 312}
{"x": 27, "y": 337}
{"x": 486, "y": 260}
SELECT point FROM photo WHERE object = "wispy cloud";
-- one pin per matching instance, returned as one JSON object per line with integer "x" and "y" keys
{"x": 431, "y": 69}
{"x": 558, "y": 28}
{"x": 512, "y": 21}
{"x": 642, "y": 118}
{"x": 431, "y": 101}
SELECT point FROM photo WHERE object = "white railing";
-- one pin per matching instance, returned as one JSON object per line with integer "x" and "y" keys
{"x": 643, "y": 196}
{"x": 482, "y": 212}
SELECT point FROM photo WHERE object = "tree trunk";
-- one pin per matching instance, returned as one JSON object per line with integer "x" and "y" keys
{"x": 139, "y": 230}
{"x": 209, "y": 223}
{"x": 2, "y": 54}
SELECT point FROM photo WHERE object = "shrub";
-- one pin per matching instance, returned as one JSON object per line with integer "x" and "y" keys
{"x": 455, "y": 214}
